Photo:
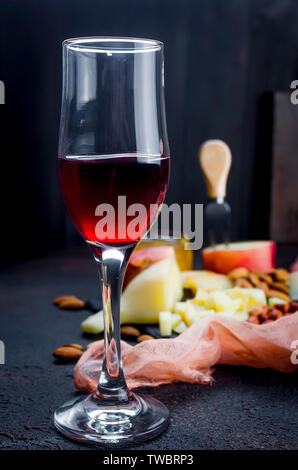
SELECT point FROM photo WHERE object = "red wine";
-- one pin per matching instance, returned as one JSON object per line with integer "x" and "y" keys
{"x": 87, "y": 182}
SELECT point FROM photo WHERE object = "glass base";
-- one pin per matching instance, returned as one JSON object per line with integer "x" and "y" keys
{"x": 89, "y": 419}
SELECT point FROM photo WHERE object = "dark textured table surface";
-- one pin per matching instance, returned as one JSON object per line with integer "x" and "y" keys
{"x": 244, "y": 409}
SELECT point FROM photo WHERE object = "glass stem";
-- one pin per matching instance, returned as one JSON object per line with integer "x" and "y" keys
{"x": 112, "y": 264}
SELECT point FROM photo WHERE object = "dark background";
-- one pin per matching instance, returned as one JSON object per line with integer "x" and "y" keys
{"x": 223, "y": 59}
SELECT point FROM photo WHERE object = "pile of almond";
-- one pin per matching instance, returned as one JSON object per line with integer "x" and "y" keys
{"x": 132, "y": 332}
{"x": 274, "y": 283}
{"x": 72, "y": 352}
{"x": 261, "y": 315}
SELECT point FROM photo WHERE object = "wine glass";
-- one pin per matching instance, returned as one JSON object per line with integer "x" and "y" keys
{"x": 113, "y": 166}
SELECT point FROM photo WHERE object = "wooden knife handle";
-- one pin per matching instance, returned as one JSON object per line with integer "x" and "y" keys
{"x": 215, "y": 160}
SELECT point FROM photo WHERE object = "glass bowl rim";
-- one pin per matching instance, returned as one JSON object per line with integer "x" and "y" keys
{"x": 96, "y": 44}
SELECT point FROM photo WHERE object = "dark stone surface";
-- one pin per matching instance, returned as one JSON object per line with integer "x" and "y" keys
{"x": 244, "y": 409}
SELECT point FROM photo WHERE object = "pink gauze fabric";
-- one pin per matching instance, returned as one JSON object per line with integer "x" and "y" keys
{"x": 190, "y": 356}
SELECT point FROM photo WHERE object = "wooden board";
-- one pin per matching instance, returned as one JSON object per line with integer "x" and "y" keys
{"x": 284, "y": 188}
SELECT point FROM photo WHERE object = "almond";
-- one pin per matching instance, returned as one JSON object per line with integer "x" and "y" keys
{"x": 72, "y": 304}
{"x": 67, "y": 353}
{"x": 280, "y": 274}
{"x": 274, "y": 314}
{"x": 265, "y": 278}
{"x": 278, "y": 294}
{"x": 283, "y": 307}
{"x": 236, "y": 273}
{"x": 62, "y": 298}
{"x": 128, "y": 330}
{"x": 280, "y": 286}
{"x": 256, "y": 311}
{"x": 262, "y": 285}
{"x": 263, "y": 317}
{"x": 241, "y": 282}
{"x": 253, "y": 278}
{"x": 142, "y": 338}
{"x": 293, "y": 307}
